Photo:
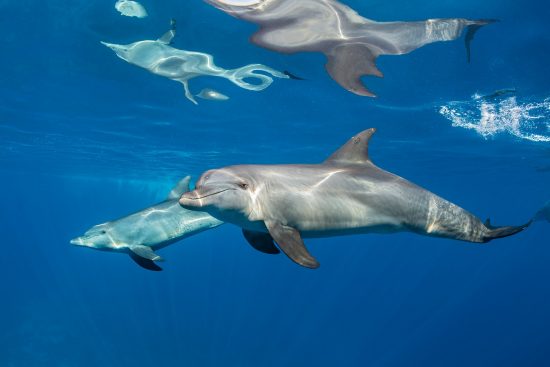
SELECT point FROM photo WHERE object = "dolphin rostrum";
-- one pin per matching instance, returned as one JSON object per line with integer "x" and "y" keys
{"x": 142, "y": 233}
{"x": 346, "y": 194}
{"x": 162, "y": 59}
{"x": 350, "y": 42}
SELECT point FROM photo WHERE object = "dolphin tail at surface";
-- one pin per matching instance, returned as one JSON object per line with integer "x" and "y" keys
{"x": 470, "y": 33}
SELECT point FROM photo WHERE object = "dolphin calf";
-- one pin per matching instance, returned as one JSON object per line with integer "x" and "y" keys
{"x": 150, "y": 229}
{"x": 162, "y": 59}
{"x": 346, "y": 194}
{"x": 350, "y": 42}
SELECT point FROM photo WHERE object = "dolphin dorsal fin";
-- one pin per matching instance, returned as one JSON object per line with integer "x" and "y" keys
{"x": 355, "y": 151}
{"x": 179, "y": 189}
{"x": 167, "y": 37}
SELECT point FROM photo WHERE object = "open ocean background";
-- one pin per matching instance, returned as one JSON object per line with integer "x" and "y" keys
{"x": 86, "y": 137}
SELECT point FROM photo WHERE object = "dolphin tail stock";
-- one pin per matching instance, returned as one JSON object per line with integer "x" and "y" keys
{"x": 472, "y": 29}
{"x": 238, "y": 76}
{"x": 500, "y": 232}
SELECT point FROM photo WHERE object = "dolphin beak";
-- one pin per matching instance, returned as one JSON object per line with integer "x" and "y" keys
{"x": 191, "y": 199}
{"x": 77, "y": 241}
{"x": 120, "y": 50}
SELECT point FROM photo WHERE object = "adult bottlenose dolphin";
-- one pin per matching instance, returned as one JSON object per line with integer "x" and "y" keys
{"x": 150, "y": 229}
{"x": 346, "y": 194}
{"x": 350, "y": 42}
{"x": 180, "y": 65}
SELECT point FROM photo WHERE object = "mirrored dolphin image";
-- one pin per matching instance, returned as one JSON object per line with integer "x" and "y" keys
{"x": 162, "y": 59}
{"x": 350, "y": 42}
{"x": 142, "y": 233}
{"x": 130, "y": 8}
{"x": 346, "y": 194}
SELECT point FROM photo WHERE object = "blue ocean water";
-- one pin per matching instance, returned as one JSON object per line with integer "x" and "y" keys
{"x": 86, "y": 137}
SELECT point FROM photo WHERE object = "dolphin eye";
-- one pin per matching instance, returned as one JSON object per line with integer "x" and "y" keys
{"x": 243, "y": 186}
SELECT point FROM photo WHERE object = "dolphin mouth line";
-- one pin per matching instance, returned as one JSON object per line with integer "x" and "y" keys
{"x": 205, "y": 196}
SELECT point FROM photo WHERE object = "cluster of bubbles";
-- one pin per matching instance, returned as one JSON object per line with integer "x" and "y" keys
{"x": 491, "y": 115}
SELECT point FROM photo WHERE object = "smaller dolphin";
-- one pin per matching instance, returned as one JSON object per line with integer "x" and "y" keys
{"x": 162, "y": 59}
{"x": 150, "y": 229}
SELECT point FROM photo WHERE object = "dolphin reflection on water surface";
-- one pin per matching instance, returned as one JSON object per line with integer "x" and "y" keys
{"x": 162, "y": 59}
{"x": 350, "y": 42}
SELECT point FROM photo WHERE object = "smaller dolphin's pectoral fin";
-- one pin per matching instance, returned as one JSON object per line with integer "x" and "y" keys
{"x": 181, "y": 187}
{"x": 262, "y": 242}
{"x": 146, "y": 252}
{"x": 145, "y": 263}
{"x": 355, "y": 151}
{"x": 289, "y": 240}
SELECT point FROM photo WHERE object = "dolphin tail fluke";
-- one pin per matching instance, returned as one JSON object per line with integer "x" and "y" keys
{"x": 499, "y": 232}
{"x": 472, "y": 30}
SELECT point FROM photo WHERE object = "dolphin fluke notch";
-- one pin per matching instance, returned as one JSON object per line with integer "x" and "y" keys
{"x": 499, "y": 232}
{"x": 471, "y": 31}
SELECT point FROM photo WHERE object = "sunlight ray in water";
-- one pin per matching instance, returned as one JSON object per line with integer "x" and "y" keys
{"x": 526, "y": 119}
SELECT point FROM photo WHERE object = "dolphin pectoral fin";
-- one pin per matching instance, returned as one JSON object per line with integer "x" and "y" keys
{"x": 145, "y": 263}
{"x": 145, "y": 252}
{"x": 188, "y": 93}
{"x": 262, "y": 242}
{"x": 289, "y": 240}
{"x": 178, "y": 190}
{"x": 355, "y": 151}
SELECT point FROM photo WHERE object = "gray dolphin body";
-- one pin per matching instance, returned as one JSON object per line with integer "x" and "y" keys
{"x": 142, "y": 233}
{"x": 350, "y": 42}
{"x": 346, "y": 194}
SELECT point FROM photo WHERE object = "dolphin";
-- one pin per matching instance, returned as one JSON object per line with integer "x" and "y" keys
{"x": 350, "y": 42}
{"x": 345, "y": 194}
{"x": 150, "y": 229}
{"x": 162, "y": 59}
